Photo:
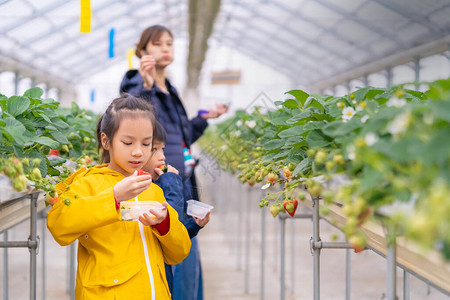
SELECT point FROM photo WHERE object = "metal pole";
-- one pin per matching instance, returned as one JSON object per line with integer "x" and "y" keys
{"x": 16, "y": 83}
{"x": 292, "y": 257}
{"x": 72, "y": 272}
{"x": 391, "y": 279}
{"x": 366, "y": 80}
{"x": 388, "y": 77}
{"x": 406, "y": 286}
{"x": 43, "y": 255}
{"x": 5, "y": 267}
{"x": 33, "y": 250}
{"x": 263, "y": 246}
{"x": 417, "y": 72}
{"x": 316, "y": 250}
{"x": 247, "y": 241}
{"x": 239, "y": 233}
{"x": 282, "y": 258}
{"x": 347, "y": 274}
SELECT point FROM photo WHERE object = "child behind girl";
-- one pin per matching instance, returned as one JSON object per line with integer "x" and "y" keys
{"x": 172, "y": 186}
{"x": 119, "y": 259}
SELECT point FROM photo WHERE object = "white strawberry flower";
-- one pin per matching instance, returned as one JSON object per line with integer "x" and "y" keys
{"x": 364, "y": 119}
{"x": 239, "y": 123}
{"x": 399, "y": 124}
{"x": 396, "y": 102}
{"x": 250, "y": 124}
{"x": 371, "y": 138}
{"x": 347, "y": 113}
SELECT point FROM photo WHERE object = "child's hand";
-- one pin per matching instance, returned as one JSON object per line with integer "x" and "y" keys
{"x": 170, "y": 168}
{"x": 148, "y": 220}
{"x": 131, "y": 186}
{"x": 204, "y": 221}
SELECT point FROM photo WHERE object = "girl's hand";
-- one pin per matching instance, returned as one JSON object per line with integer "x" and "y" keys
{"x": 131, "y": 186}
{"x": 204, "y": 221}
{"x": 148, "y": 220}
{"x": 216, "y": 112}
{"x": 147, "y": 70}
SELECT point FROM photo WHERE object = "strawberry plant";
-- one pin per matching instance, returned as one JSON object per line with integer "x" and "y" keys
{"x": 391, "y": 146}
{"x": 48, "y": 141}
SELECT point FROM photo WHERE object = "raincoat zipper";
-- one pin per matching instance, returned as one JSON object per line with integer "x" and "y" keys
{"x": 147, "y": 259}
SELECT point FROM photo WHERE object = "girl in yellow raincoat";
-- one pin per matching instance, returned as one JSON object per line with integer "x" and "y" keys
{"x": 119, "y": 259}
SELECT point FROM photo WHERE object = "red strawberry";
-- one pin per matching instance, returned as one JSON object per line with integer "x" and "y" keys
{"x": 162, "y": 167}
{"x": 54, "y": 152}
{"x": 142, "y": 172}
{"x": 290, "y": 206}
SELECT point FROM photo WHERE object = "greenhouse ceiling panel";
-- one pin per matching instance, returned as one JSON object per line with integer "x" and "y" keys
{"x": 321, "y": 37}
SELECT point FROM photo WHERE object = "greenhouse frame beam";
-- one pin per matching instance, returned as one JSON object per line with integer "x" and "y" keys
{"x": 70, "y": 22}
{"x": 94, "y": 58}
{"x": 426, "y": 22}
{"x": 296, "y": 33}
{"x": 272, "y": 63}
{"x": 351, "y": 16}
{"x": 328, "y": 30}
{"x": 90, "y": 55}
{"x": 24, "y": 70}
{"x": 35, "y": 15}
{"x": 295, "y": 48}
{"x": 393, "y": 60}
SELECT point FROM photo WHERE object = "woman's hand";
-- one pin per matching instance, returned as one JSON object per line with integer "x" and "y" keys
{"x": 216, "y": 112}
{"x": 131, "y": 186}
{"x": 158, "y": 217}
{"x": 147, "y": 70}
{"x": 204, "y": 221}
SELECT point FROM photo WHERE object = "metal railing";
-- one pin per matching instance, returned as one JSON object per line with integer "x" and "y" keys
{"x": 236, "y": 198}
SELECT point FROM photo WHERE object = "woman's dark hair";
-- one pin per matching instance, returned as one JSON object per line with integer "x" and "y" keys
{"x": 150, "y": 34}
{"x": 160, "y": 133}
{"x": 126, "y": 106}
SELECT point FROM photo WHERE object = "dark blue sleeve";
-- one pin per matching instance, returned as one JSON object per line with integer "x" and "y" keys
{"x": 172, "y": 187}
{"x": 191, "y": 226}
{"x": 198, "y": 126}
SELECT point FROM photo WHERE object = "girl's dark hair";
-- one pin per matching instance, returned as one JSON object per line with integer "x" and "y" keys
{"x": 150, "y": 34}
{"x": 126, "y": 106}
{"x": 160, "y": 133}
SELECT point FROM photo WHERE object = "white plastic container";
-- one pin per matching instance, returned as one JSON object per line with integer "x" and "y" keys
{"x": 198, "y": 209}
{"x": 131, "y": 210}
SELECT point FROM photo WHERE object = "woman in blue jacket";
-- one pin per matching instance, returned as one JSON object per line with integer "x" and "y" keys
{"x": 155, "y": 49}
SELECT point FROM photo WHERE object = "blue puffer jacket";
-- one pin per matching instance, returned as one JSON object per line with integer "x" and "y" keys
{"x": 173, "y": 118}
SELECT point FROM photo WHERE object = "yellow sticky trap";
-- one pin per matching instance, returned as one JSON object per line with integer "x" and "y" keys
{"x": 130, "y": 54}
{"x": 85, "y": 16}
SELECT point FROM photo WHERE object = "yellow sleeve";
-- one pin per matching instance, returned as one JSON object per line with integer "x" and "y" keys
{"x": 176, "y": 243}
{"x": 87, "y": 210}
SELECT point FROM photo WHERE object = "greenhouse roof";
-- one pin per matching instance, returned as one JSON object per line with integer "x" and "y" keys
{"x": 314, "y": 42}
